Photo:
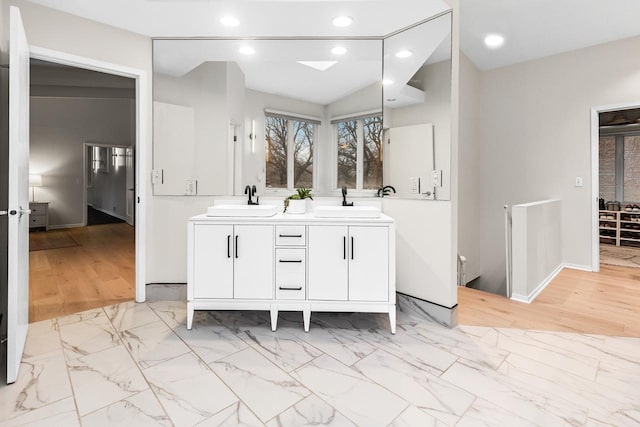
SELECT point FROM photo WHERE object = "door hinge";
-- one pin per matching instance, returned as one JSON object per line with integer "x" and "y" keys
{"x": 235, "y": 138}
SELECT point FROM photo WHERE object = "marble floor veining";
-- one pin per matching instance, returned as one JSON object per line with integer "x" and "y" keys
{"x": 137, "y": 365}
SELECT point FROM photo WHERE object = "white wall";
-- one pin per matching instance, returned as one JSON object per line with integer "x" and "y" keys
{"x": 59, "y": 128}
{"x": 423, "y": 249}
{"x": 535, "y": 139}
{"x": 436, "y": 83}
{"x": 469, "y": 170}
{"x": 207, "y": 89}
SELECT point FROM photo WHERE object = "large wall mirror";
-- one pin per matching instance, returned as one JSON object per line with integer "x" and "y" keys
{"x": 417, "y": 110}
{"x": 284, "y": 114}
{"x": 278, "y": 114}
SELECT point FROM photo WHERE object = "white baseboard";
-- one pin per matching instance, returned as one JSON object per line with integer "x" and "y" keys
{"x": 528, "y": 299}
{"x": 108, "y": 212}
{"x": 59, "y": 226}
{"x": 577, "y": 267}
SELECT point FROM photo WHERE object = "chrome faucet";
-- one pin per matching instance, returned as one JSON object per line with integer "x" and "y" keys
{"x": 344, "y": 197}
{"x": 251, "y": 191}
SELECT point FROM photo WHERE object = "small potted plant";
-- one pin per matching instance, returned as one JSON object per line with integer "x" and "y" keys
{"x": 296, "y": 203}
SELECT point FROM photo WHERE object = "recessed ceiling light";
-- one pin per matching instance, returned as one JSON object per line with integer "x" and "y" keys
{"x": 404, "y": 54}
{"x": 387, "y": 82}
{"x": 339, "y": 50}
{"x": 247, "y": 50}
{"x": 342, "y": 21}
{"x": 229, "y": 21}
{"x": 493, "y": 41}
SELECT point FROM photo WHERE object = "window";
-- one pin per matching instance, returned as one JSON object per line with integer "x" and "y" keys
{"x": 359, "y": 153}
{"x": 619, "y": 158}
{"x": 289, "y": 152}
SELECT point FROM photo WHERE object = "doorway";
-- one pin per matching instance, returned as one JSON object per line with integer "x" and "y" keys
{"x": 616, "y": 186}
{"x": 82, "y": 240}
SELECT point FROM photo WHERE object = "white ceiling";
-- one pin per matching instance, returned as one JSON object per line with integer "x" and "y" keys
{"x": 258, "y": 18}
{"x": 539, "y": 28}
{"x": 533, "y": 28}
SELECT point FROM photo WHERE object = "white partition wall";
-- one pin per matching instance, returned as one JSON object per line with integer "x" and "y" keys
{"x": 537, "y": 247}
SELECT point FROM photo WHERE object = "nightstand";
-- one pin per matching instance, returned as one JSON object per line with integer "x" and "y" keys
{"x": 39, "y": 217}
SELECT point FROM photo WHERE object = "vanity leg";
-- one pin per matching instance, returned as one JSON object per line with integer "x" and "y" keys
{"x": 274, "y": 318}
{"x": 392, "y": 319}
{"x": 190, "y": 312}
{"x": 306, "y": 317}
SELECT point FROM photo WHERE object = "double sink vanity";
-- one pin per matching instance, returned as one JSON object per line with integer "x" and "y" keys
{"x": 254, "y": 257}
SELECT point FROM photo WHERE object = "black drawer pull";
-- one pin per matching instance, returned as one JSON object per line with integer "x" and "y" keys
{"x": 290, "y": 235}
{"x": 289, "y": 260}
{"x": 287, "y": 288}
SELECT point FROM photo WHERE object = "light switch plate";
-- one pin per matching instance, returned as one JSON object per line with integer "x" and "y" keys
{"x": 578, "y": 181}
{"x": 414, "y": 185}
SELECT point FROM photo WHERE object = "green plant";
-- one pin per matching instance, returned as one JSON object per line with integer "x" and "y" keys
{"x": 301, "y": 193}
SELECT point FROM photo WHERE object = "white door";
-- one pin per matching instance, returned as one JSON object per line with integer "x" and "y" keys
{"x": 213, "y": 261}
{"x": 18, "y": 236}
{"x": 131, "y": 185}
{"x": 253, "y": 262}
{"x": 328, "y": 262}
{"x": 368, "y": 263}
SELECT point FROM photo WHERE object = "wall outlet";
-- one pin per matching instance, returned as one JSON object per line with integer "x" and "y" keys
{"x": 192, "y": 187}
{"x": 436, "y": 178}
{"x": 414, "y": 184}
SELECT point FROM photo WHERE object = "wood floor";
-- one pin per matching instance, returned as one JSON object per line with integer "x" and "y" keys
{"x": 99, "y": 271}
{"x": 604, "y": 303}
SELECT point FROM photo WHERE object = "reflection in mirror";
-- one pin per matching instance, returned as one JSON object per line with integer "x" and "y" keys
{"x": 295, "y": 113}
{"x": 417, "y": 110}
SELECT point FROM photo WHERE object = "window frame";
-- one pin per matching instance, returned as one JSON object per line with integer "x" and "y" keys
{"x": 359, "y": 118}
{"x": 619, "y": 160}
{"x": 290, "y": 118}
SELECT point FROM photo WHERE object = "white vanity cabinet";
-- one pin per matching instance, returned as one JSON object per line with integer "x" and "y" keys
{"x": 292, "y": 263}
{"x": 349, "y": 263}
{"x": 230, "y": 262}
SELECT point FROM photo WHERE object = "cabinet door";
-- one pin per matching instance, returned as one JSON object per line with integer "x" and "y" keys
{"x": 213, "y": 261}
{"x": 368, "y": 263}
{"x": 328, "y": 265}
{"x": 253, "y": 262}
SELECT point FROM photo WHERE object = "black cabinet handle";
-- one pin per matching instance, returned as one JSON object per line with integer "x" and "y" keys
{"x": 287, "y": 288}
{"x": 236, "y": 246}
{"x": 344, "y": 247}
{"x": 289, "y": 260}
{"x": 228, "y": 245}
{"x": 290, "y": 235}
{"x": 351, "y": 247}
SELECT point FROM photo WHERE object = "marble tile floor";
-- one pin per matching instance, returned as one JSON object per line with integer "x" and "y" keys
{"x": 137, "y": 365}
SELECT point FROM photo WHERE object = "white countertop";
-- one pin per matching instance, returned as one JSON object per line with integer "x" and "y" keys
{"x": 286, "y": 218}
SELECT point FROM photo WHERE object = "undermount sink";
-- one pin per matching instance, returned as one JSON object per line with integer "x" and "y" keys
{"x": 242, "y": 210}
{"x": 346, "y": 212}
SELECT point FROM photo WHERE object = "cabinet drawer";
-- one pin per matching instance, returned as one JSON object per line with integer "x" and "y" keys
{"x": 37, "y": 209}
{"x": 291, "y": 235}
{"x": 290, "y": 273}
{"x": 37, "y": 221}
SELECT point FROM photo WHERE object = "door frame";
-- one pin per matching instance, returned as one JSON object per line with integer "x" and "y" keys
{"x": 85, "y": 170}
{"x": 595, "y": 175}
{"x": 141, "y": 142}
